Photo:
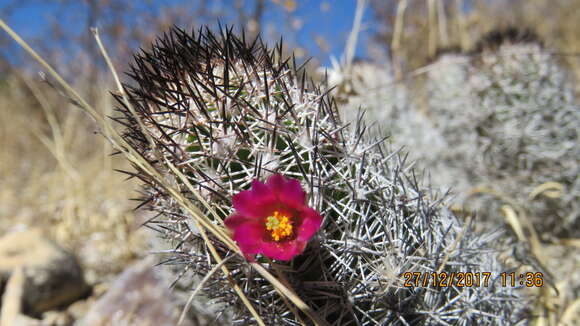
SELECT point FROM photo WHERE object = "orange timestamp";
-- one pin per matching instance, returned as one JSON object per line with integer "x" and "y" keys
{"x": 470, "y": 279}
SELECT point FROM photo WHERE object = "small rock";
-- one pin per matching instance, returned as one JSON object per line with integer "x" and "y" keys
{"x": 53, "y": 277}
{"x": 138, "y": 297}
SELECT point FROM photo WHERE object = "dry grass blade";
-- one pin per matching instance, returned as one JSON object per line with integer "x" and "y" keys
{"x": 12, "y": 297}
{"x": 550, "y": 189}
{"x": 214, "y": 252}
{"x": 198, "y": 288}
{"x": 569, "y": 242}
{"x": 351, "y": 44}
{"x": 92, "y": 113}
{"x": 513, "y": 221}
{"x": 571, "y": 313}
{"x": 217, "y": 231}
{"x": 57, "y": 143}
{"x": 454, "y": 244}
{"x": 399, "y": 23}
{"x": 120, "y": 88}
{"x": 289, "y": 294}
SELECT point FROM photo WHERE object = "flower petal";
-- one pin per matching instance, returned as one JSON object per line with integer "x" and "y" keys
{"x": 249, "y": 237}
{"x": 283, "y": 250}
{"x": 234, "y": 221}
{"x": 288, "y": 191}
{"x": 255, "y": 202}
{"x": 311, "y": 221}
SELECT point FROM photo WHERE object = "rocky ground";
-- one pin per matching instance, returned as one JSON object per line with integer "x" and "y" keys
{"x": 44, "y": 284}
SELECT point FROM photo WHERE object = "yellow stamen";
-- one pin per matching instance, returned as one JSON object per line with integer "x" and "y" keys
{"x": 279, "y": 225}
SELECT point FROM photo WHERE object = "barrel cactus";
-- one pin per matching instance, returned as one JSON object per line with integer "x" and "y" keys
{"x": 257, "y": 142}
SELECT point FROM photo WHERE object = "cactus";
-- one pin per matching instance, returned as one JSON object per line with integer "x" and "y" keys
{"x": 502, "y": 119}
{"x": 511, "y": 123}
{"x": 225, "y": 112}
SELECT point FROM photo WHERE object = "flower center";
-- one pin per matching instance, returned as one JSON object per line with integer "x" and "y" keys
{"x": 279, "y": 225}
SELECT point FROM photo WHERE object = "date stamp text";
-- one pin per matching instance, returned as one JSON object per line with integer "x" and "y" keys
{"x": 472, "y": 279}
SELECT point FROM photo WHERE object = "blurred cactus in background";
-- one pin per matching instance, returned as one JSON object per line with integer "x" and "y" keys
{"x": 224, "y": 111}
{"x": 513, "y": 124}
{"x": 499, "y": 121}
{"x": 448, "y": 120}
{"x": 528, "y": 132}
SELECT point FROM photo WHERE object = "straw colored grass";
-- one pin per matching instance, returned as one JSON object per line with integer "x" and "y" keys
{"x": 57, "y": 175}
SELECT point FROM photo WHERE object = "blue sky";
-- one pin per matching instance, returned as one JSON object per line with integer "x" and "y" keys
{"x": 332, "y": 20}
{"x": 319, "y": 19}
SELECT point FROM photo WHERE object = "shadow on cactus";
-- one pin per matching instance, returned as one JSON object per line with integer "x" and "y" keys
{"x": 228, "y": 112}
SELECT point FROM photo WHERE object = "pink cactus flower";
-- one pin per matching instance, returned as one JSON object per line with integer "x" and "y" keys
{"x": 273, "y": 219}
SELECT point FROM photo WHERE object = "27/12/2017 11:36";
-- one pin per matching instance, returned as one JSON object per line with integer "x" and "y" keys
{"x": 471, "y": 279}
